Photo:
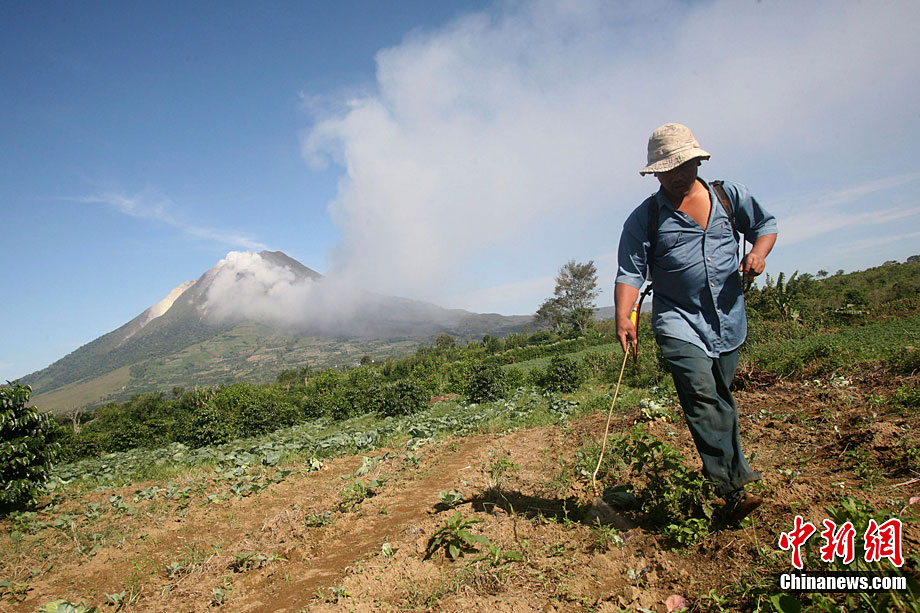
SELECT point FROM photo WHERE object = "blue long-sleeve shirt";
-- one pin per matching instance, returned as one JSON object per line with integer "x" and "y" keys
{"x": 697, "y": 296}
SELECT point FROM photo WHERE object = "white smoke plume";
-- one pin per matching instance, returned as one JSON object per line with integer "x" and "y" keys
{"x": 502, "y": 145}
{"x": 248, "y": 286}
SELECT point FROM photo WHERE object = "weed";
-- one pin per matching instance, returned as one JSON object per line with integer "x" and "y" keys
{"x": 864, "y": 465}
{"x": 14, "y": 590}
{"x": 563, "y": 479}
{"x": 248, "y": 561}
{"x": 909, "y": 455}
{"x": 64, "y": 606}
{"x": 906, "y": 361}
{"x": 605, "y": 537}
{"x": 455, "y": 538}
{"x": 906, "y": 397}
{"x": 714, "y": 601}
{"x": 668, "y": 495}
{"x": 501, "y": 468}
{"x": 218, "y": 597}
{"x": 355, "y": 493}
{"x": 495, "y": 556}
{"x": 451, "y": 499}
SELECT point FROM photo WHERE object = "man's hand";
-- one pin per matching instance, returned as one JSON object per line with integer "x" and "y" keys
{"x": 752, "y": 265}
{"x": 626, "y": 332}
{"x": 624, "y": 297}
{"x": 754, "y": 262}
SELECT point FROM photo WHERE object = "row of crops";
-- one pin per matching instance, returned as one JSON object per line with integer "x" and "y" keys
{"x": 316, "y": 439}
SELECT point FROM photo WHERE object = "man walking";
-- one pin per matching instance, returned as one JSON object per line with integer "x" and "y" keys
{"x": 686, "y": 239}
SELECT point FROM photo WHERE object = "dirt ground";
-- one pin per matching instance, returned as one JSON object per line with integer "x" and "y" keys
{"x": 305, "y": 543}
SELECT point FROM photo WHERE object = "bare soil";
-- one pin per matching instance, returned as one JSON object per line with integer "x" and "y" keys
{"x": 298, "y": 545}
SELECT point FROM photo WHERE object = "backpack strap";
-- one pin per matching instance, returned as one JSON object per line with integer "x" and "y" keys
{"x": 719, "y": 188}
{"x": 652, "y": 236}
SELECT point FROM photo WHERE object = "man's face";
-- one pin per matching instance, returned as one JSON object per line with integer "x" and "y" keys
{"x": 678, "y": 181}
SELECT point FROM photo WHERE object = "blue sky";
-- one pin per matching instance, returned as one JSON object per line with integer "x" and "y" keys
{"x": 456, "y": 152}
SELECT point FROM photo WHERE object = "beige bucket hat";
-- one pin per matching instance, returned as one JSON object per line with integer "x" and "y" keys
{"x": 670, "y": 146}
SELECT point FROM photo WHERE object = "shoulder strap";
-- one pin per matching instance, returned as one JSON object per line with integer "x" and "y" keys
{"x": 652, "y": 235}
{"x": 719, "y": 188}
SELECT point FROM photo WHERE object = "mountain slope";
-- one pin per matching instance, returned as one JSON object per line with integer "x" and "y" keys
{"x": 249, "y": 317}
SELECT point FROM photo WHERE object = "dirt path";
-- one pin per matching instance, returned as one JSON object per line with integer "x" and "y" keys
{"x": 397, "y": 511}
{"x": 277, "y": 523}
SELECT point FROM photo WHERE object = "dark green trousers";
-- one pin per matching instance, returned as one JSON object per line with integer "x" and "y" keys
{"x": 702, "y": 385}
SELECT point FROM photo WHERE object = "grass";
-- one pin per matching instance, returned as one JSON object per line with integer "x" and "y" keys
{"x": 613, "y": 348}
{"x": 824, "y": 352}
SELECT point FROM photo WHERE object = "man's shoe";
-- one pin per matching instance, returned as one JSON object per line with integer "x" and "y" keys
{"x": 740, "y": 506}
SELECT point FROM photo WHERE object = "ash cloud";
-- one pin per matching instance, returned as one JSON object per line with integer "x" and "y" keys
{"x": 508, "y": 142}
{"x": 246, "y": 286}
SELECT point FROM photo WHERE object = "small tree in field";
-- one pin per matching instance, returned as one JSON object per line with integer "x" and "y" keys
{"x": 445, "y": 341}
{"x": 573, "y": 298}
{"x": 26, "y": 451}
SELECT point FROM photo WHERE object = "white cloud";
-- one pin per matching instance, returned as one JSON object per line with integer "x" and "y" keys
{"x": 874, "y": 243}
{"x": 819, "y": 214}
{"x": 515, "y": 136}
{"x": 508, "y": 298}
{"x": 160, "y": 209}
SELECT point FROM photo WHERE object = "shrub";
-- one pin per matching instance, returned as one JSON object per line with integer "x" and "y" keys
{"x": 264, "y": 410}
{"x": 598, "y": 403}
{"x": 316, "y": 405}
{"x": 906, "y": 361}
{"x": 540, "y": 337}
{"x": 515, "y": 377}
{"x": 26, "y": 448}
{"x": 535, "y": 376}
{"x": 486, "y": 384}
{"x": 209, "y": 425}
{"x": 405, "y": 397}
{"x": 457, "y": 376}
{"x": 563, "y": 375}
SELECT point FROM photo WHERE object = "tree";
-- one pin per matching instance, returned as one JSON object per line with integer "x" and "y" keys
{"x": 822, "y": 273}
{"x": 550, "y": 314}
{"x": 26, "y": 447}
{"x": 573, "y": 298}
{"x": 445, "y": 341}
{"x": 491, "y": 344}
{"x": 785, "y": 295}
